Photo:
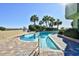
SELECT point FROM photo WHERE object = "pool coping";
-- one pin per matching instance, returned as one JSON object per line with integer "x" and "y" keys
{"x": 50, "y": 36}
{"x": 69, "y": 38}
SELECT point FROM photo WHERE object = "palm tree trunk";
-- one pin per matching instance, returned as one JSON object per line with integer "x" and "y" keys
{"x": 52, "y": 26}
{"x": 46, "y": 24}
{"x": 34, "y": 23}
{"x": 57, "y": 26}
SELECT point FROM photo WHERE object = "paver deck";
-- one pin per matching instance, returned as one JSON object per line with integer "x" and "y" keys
{"x": 51, "y": 52}
{"x": 14, "y": 47}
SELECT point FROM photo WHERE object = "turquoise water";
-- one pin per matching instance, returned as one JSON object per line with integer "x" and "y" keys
{"x": 44, "y": 40}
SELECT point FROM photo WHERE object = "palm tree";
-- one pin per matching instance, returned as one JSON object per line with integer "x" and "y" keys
{"x": 40, "y": 22}
{"x": 51, "y": 22}
{"x": 45, "y": 19}
{"x": 72, "y": 23}
{"x": 50, "y": 25}
{"x": 58, "y": 22}
{"x": 34, "y": 18}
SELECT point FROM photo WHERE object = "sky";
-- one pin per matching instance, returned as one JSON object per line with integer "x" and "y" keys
{"x": 18, "y": 15}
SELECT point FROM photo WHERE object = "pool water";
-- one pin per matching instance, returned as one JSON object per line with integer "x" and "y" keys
{"x": 44, "y": 40}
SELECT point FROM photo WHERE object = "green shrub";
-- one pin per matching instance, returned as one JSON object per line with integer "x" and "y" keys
{"x": 32, "y": 28}
{"x": 41, "y": 28}
{"x": 2, "y": 28}
{"x": 36, "y": 28}
{"x": 51, "y": 29}
{"x": 73, "y": 33}
{"x": 61, "y": 31}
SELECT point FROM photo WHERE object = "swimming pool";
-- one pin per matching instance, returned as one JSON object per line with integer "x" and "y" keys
{"x": 44, "y": 39}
